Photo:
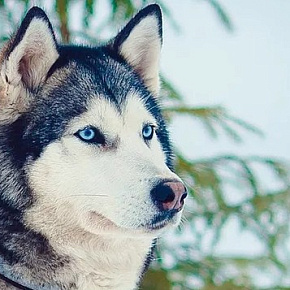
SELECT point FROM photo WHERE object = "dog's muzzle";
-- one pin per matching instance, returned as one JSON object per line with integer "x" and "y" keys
{"x": 168, "y": 196}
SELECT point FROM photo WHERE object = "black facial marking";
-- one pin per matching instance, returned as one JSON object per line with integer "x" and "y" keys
{"x": 94, "y": 72}
{"x": 78, "y": 75}
{"x": 91, "y": 135}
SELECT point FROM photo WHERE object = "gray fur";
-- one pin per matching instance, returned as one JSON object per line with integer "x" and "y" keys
{"x": 36, "y": 109}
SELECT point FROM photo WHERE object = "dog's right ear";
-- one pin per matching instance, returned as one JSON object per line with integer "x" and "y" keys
{"x": 139, "y": 43}
{"x": 27, "y": 58}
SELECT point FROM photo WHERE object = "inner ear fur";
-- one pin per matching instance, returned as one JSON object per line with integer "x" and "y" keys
{"x": 139, "y": 43}
{"x": 25, "y": 61}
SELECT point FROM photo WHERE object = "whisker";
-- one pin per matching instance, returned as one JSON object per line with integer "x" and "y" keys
{"x": 189, "y": 211}
{"x": 182, "y": 223}
{"x": 86, "y": 195}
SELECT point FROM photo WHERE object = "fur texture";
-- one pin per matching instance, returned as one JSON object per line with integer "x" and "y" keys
{"x": 79, "y": 213}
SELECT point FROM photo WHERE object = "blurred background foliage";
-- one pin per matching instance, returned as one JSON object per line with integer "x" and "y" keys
{"x": 186, "y": 259}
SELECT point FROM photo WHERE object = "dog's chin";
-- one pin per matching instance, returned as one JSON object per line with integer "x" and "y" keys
{"x": 156, "y": 225}
{"x": 162, "y": 221}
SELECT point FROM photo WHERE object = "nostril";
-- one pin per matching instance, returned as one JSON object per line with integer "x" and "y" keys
{"x": 170, "y": 196}
{"x": 183, "y": 197}
{"x": 164, "y": 194}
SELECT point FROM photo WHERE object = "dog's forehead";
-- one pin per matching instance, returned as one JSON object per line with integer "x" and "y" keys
{"x": 83, "y": 73}
{"x": 97, "y": 84}
{"x": 110, "y": 117}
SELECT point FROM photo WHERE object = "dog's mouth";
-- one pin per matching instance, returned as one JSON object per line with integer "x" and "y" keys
{"x": 161, "y": 220}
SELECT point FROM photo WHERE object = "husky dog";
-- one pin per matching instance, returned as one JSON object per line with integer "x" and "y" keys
{"x": 86, "y": 175}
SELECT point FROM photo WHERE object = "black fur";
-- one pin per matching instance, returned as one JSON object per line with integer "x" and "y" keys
{"x": 96, "y": 74}
{"x": 24, "y": 140}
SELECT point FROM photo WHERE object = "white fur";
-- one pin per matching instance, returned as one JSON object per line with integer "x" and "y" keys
{"x": 91, "y": 202}
{"x": 142, "y": 50}
{"x": 26, "y": 67}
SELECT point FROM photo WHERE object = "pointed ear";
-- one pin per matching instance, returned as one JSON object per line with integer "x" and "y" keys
{"x": 28, "y": 56}
{"x": 139, "y": 43}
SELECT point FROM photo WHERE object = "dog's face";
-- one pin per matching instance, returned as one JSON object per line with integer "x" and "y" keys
{"x": 92, "y": 139}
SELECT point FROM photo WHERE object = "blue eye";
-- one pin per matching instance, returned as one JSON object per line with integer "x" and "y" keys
{"x": 148, "y": 132}
{"x": 91, "y": 135}
{"x": 87, "y": 134}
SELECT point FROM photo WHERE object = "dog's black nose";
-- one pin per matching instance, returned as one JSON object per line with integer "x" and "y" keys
{"x": 169, "y": 195}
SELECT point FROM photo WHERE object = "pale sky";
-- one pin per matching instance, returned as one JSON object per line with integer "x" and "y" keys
{"x": 248, "y": 72}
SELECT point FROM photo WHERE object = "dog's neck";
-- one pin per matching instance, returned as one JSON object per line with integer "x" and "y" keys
{"x": 105, "y": 260}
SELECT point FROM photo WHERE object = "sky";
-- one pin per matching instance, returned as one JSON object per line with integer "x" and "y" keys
{"x": 247, "y": 71}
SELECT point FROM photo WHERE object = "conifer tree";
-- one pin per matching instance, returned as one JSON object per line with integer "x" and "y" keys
{"x": 265, "y": 214}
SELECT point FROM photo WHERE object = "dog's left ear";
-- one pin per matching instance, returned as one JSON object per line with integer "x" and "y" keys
{"x": 139, "y": 43}
{"x": 25, "y": 61}
{"x": 28, "y": 56}
{"x": 31, "y": 52}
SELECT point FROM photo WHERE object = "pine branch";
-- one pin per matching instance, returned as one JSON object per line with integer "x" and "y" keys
{"x": 213, "y": 118}
{"x": 224, "y": 17}
{"x": 61, "y": 6}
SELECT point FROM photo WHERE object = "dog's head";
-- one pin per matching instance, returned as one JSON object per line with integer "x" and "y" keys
{"x": 86, "y": 127}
